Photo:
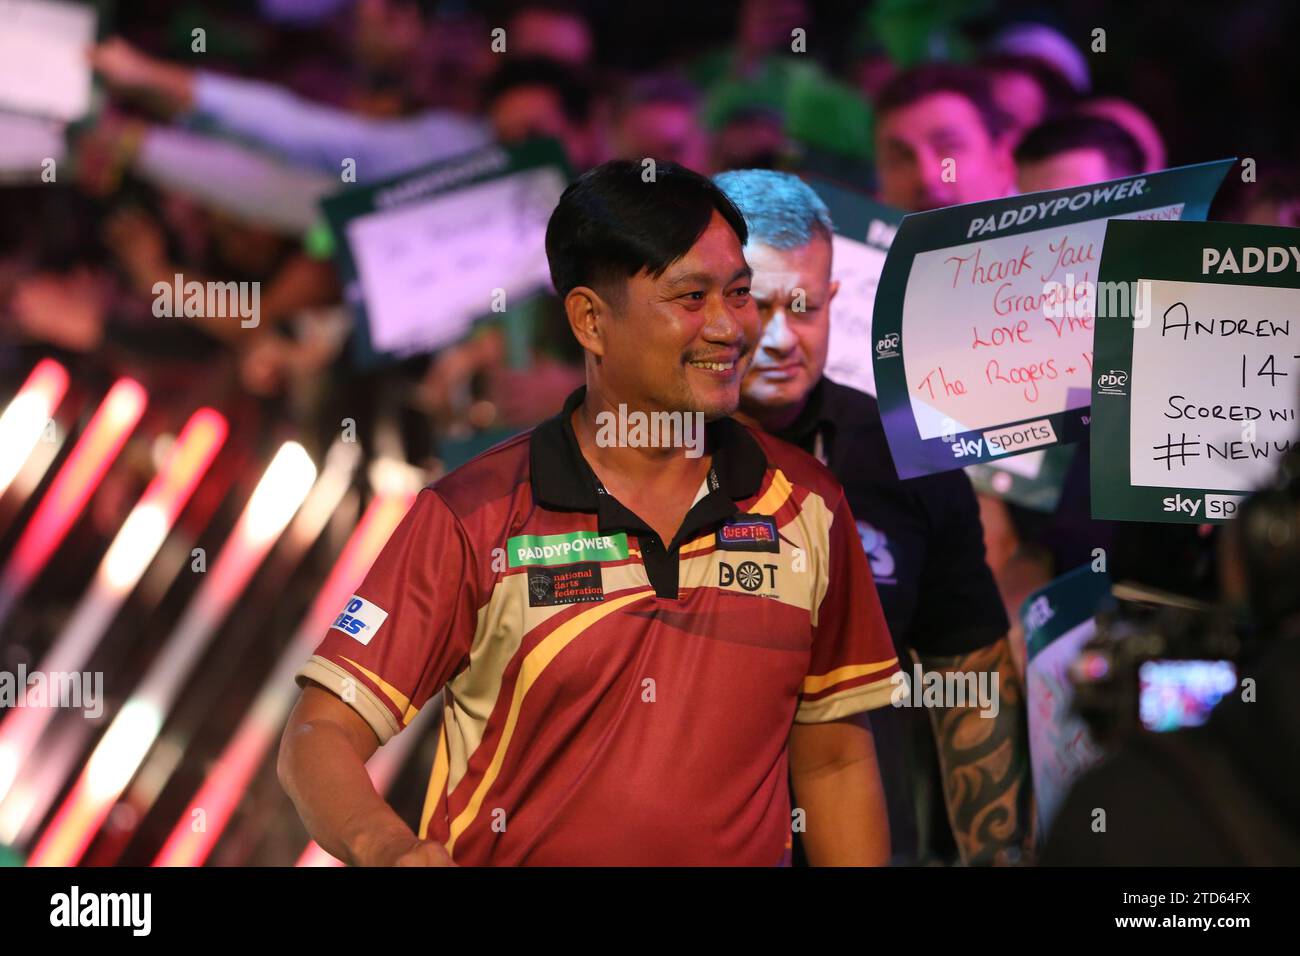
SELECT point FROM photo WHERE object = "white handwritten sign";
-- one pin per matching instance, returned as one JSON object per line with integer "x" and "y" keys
{"x": 44, "y": 68}
{"x": 1196, "y": 402}
{"x": 429, "y": 253}
{"x": 985, "y": 315}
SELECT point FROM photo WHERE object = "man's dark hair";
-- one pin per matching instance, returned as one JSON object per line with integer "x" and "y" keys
{"x": 612, "y": 224}
{"x": 1081, "y": 131}
{"x": 1058, "y": 94}
{"x": 572, "y": 87}
{"x": 928, "y": 79}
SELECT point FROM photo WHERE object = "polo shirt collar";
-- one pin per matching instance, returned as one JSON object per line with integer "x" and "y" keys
{"x": 562, "y": 479}
{"x": 816, "y": 416}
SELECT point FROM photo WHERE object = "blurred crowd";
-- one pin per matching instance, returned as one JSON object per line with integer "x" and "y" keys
{"x": 211, "y": 164}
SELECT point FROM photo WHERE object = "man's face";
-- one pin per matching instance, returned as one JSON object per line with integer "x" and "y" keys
{"x": 913, "y": 142}
{"x": 664, "y": 131}
{"x": 524, "y": 112}
{"x": 681, "y": 342}
{"x": 1074, "y": 167}
{"x": 793, "y": 291}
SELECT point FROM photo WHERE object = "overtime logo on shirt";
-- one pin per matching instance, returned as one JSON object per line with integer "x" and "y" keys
{"x": 551, "y": 549}
{"x": 749, "y": 533}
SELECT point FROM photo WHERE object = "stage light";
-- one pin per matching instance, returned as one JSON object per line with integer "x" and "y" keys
{"x": 229, "y": 777}
{"x": 76, "y": 481}
{"x": 135, "y": 546}
{"x": 27, "y": 416}
{"x": 125, "y": 745}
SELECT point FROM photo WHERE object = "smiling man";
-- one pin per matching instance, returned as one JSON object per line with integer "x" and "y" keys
{"x": 636, "y": 646}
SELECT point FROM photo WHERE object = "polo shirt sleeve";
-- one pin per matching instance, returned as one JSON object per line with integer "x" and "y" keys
{"x": 410, "y": 625}
{"x": 960, "y": 609}
{"x": 853, "y": 659}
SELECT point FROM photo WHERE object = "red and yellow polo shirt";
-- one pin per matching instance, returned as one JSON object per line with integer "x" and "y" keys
{"x": 611, "y": 699}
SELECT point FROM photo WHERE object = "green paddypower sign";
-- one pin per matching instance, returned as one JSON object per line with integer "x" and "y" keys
{"x": 549, "y": 549}
{"x": 984, "y": 317}
{"x": 1195, "y": 395}
{"x": 1059, "y": 620}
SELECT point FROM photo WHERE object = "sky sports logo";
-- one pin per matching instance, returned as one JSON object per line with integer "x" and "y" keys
{"x": 1003, "y": 441}
{"x": 1216, "y": 506}
{"x": 360, "y": 619}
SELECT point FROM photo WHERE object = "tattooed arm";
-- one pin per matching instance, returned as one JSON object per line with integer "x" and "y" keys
{"x": 984, "y": 756}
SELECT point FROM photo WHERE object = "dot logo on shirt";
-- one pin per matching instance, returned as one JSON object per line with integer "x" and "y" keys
{"x": 876, "y": 545}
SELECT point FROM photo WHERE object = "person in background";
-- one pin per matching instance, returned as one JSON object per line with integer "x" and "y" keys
{"x": 1027, "y": 89}
{"x": 769, "y": 68}
{"x": 550, "y": 29}
{"x": 941, "y": 139}
{"x": 534, "y": 97}
{"x": 386, "y": 36}
{"x": 1073, "y": 150}
{"x": 922, "y": 536}
{"x": 1037, "y": 72}
{"x": 295, "y": 129}
{"x": 524, "y": 98}
{"x": 658, "y": 117}
{"x": 1138, "y": 125}
{"x": 1274, "y": 201}
{"x": 750, "y": 137}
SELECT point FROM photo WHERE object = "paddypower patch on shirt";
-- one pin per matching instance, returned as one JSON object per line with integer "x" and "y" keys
{"x": 546, "y": 549}
{"x": 360, "y": 619}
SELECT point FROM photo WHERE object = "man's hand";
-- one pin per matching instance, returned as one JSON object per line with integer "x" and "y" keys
{"x": 401, "y": 848}
{"x": 68, "y": 311}
{"x": 129, "y": 71}
{"x": 426, "y": 853}
{"x": 837, "y": 784}
{"x": 322, "y": 766}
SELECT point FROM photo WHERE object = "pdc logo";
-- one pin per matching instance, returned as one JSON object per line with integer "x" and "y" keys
{"x": 360, "y": 619}
{"x": 1112, "y": 382}
{"x": 887, "y": 346}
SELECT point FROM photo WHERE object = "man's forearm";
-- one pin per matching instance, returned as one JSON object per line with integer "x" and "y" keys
{"x": 846, "y": 820}
{"x": 335, "y": 797}
{"x": 984, "y": 757}
{"x": 249, "y": 185}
